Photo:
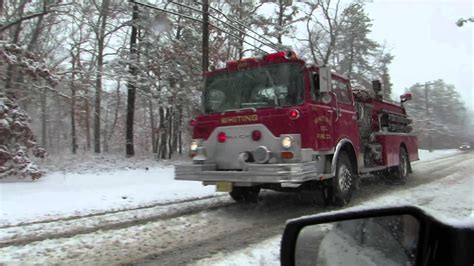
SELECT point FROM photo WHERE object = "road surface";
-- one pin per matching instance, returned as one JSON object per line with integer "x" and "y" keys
{"x": 186, "y": 232}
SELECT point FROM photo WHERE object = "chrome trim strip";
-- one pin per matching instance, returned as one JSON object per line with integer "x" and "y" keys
{"x": 393, "y": 134}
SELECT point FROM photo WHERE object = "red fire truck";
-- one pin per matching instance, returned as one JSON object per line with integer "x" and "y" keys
{"x": 277, "y": 123}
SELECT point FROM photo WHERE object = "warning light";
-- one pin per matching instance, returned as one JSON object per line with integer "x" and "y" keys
{"x": 274, "y": 57}
{"x": 294, "y": 114}
{"x": 286, "y": 155}
{"x": 221, "y": 137}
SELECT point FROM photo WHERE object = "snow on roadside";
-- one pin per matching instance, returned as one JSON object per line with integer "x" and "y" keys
{"x": 66, "y": 194}
{"x": 426, "y": 155}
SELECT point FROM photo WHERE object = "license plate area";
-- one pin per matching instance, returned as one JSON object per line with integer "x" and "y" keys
{"x": 223, "y": 186}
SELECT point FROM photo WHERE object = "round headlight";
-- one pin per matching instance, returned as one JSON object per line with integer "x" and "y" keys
{"x": 286, "y": 142}
{"x": 194, "y": 145}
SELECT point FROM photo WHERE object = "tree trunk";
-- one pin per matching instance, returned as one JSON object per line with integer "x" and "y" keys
{"x": 129, "y": 147}
{"x": 180, "y": 129}
{"x": 116, "y": 113}
{"x": 163, "y": 134}
{"x": 104, "y": 12}
{"x": 152, "y": 126}
{"x": 205, "y": 35}
{"x": 106, "y": 131}
{"x": 169, "y": 119}
{"x": 240, "y": 49}
{"x": 88, "y": 123}
{"x": 73, "y": 108}
{"x": 280, "y": 22}
{"x": 43, "y": 118}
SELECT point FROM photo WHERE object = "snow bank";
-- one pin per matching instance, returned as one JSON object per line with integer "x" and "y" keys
{"x": 65, "y": 194}
{"x": 426, "y": 155}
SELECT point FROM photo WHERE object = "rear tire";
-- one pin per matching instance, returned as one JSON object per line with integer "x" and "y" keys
{"x": 400, "y": 172}
{"x": 339, "y": 191}
{"x": 245, "y": 194}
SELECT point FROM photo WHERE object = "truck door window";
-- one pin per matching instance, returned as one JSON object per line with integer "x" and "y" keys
{"x": 341, "y": 90}
{"x": 315, "y": 86}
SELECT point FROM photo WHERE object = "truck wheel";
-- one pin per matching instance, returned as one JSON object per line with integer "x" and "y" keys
{"x": 400, "y": 172}
{"x": 339, "y": 192}
{"x": 245, "y": 194}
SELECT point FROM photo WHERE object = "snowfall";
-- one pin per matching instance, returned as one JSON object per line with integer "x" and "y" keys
{"x": 79, "y": 188}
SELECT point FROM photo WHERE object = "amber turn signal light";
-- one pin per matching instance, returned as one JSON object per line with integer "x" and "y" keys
{"x": 287, "y": 155}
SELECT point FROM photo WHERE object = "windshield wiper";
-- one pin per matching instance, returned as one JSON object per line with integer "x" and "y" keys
{"x": 240, "y": 110}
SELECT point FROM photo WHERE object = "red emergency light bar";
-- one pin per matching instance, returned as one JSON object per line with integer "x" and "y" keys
{"x": 275, "y": 57}
{"x": 268, "y": 58}
{"x": 242, "y": 63}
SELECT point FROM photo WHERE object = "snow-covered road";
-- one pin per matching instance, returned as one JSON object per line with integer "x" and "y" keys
{"x": 445, "y": 193}
{"x": 162, "y": 234}
{"x": 101, "y": 187}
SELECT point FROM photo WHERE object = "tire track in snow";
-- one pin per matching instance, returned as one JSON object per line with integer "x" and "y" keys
{"x": 68, "y": 227}
{"x": 75, "y": 217}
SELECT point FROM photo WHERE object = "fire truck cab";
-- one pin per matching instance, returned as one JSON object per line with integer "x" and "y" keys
{"x": 278, "y": 123}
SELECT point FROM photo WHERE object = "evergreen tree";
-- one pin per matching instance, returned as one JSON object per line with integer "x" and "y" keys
{"x": 439, "y": 115}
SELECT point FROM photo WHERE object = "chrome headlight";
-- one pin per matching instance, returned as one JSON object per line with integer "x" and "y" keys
{"x": 287, "y": 142}
{"x": 194, "y": 145}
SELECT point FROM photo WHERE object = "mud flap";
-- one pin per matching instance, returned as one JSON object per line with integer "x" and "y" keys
{"x": 224, "y": 187}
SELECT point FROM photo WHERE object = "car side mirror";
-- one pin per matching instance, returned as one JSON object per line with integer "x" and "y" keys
{"x": 405, "y": 97}
{"x": 324, "y": 79}
{"x": 385, "y": 236}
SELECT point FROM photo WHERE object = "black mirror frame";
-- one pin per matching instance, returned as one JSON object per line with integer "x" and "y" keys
{"x": 433, "y": 233}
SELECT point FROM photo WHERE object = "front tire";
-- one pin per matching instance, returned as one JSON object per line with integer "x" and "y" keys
{"x": 339, "y": 191}
{"x": 245, "y": 194}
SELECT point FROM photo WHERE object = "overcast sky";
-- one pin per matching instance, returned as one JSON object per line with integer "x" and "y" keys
{"x": 426, "y": 43}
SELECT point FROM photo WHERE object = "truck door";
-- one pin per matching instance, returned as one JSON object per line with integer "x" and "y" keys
{"x": 322, "y": 117}
{"x": 345, "y": 117}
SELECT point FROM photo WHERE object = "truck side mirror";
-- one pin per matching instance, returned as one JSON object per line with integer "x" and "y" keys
{"x": 377, "y": 87}
{"x": 405, "y": 97}
{"x": 325, "y": 79}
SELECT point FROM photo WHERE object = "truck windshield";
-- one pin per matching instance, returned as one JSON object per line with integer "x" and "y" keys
{"x": 268, "y": 86}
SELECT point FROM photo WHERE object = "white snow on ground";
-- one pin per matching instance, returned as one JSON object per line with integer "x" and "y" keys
{"x": 263, "y": 253}
{"x": 450, "y": 198}
{"x": 426, "y": 155}
{"x": 65, "y": 194}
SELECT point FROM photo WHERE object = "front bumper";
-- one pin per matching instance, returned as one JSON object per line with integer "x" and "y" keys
{"x": 252, "y": 173}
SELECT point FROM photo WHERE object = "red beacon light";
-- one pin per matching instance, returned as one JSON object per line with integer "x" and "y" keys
{"x": 242, "y": 63}
{"x": 232, "y": 65}
{"x": 274, "y": 57}
{"x": 279, "y": 56}
{"x": 294, "y": 114}
{"x": 221, "y": 137}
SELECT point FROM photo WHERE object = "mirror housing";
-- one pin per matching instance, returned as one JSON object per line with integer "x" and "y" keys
{"x": 324, "y": 79}
{"x": 438, "y": 243}
{"x": 405, "y": 97}
{"x": 377, "y": 88}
